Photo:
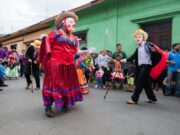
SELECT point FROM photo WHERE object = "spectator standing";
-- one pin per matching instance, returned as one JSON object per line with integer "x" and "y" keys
{"x": 119, "y": 51}
{"x": 173, "y": 63}
{"x": 103, "y": 60}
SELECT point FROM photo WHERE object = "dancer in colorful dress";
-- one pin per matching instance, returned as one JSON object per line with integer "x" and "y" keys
{"x": 81, "y": 68}
{"x": 56, "y": 54}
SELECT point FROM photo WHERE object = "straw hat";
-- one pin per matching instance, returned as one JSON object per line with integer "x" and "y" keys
{"x": 140, "y": 32}
{"x": 64, "y": 15}
{"x": 36, "y": 43}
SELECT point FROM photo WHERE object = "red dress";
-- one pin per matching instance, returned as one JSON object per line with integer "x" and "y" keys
{"x": 61, "y": 84}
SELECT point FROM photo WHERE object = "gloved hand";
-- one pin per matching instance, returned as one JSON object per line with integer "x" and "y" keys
{"x": 91, "y": 50}
{"x": 123, "y": 60}
{"x": 42, "y": 36}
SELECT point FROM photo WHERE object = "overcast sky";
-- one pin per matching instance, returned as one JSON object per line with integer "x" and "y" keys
{"x": 18, "y": 14}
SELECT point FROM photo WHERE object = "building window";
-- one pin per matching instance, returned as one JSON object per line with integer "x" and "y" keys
{"x": 83, "y": 38}
{"x": 13, "y": 46}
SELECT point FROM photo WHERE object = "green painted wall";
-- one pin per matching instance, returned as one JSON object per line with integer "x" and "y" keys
{"x": 52, "y": 24}
{"x": 176, "y": 29}
{"x": 140, "y": 11}
{"x": 114, "y": 21}
{"x": 101, "y": 22}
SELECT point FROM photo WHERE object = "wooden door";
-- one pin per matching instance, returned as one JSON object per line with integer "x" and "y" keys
{"x": 159, "y": 33}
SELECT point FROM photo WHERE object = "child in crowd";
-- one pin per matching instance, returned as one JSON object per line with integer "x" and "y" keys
{"x": 130, "y": 77}
{"x": 118, "y": 73}
{"x": 99, "y": 73}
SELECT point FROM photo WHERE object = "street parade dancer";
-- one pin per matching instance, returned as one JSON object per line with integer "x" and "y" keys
{"x": 57, "y": 53}
{"x": 81, "y": 68}
{"x": 146, "y": 67}
{"x": 84, "y": 65}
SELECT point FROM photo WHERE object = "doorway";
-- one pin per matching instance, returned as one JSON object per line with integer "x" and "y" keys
{"x": 159, "y": 33}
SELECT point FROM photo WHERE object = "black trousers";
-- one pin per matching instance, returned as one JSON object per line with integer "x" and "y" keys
{"x": 1, "y": 81}
{"x": 104, "y": 77}
{"x": 34, "y": 70}
{"x": 28, "y": 78}
{"x": 22, "y": 69}
{"x": 142, "y": 80}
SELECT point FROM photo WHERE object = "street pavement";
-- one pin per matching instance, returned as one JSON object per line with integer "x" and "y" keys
{"x": 22, "y": 113}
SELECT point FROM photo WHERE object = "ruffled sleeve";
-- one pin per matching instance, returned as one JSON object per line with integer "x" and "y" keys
{"x": 45, "y": 49}
{"x": 51, "y": 38}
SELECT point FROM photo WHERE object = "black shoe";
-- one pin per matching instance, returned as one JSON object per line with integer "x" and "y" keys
{"x": 152, "y": 101}
{"x": 64, "y": 109}
{"x": 3, "y": 85}
{"x": 114, "y": 87}
{"x": 49, "y": 113}
{"x": 1, "y": 89}
{"x": 120, "y": 87}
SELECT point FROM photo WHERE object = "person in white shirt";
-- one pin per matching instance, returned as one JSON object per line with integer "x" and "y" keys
{"x": 143, "y": 62}
{"x": 103, "y": 60}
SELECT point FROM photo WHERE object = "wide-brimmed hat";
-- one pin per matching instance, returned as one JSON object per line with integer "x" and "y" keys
{"x": 36, "y": 43}
{"x": 64, "y": 15}
{"x": 140, "y": 32}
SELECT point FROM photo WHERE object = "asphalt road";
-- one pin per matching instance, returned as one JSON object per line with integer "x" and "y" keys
{"x": 22, "y": 113}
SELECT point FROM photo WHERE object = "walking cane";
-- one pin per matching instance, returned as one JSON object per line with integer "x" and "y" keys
{"x": 108, "y": 88}
{"x": 107, "y": 91}
{"x": 32, "y": 89}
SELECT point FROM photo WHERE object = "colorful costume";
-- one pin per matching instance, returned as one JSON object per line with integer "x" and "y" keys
{"x": 61, "y": 84}
{"x": 12, "y": 69}
{"x": 81, "y": 68}
{"x": 3, "y": 53}
{"x": 2, "y": 62}
{"x": 2, "y": 71}
{"x": 57, "y": 53}
{"x": 117, "y": 71}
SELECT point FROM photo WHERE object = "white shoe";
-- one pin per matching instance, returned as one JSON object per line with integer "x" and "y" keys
{"x": 104, "y": 86}
{"x": 96, "y": 86}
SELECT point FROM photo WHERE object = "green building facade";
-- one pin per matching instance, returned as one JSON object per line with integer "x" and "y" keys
{"x": 113, "y": 21}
